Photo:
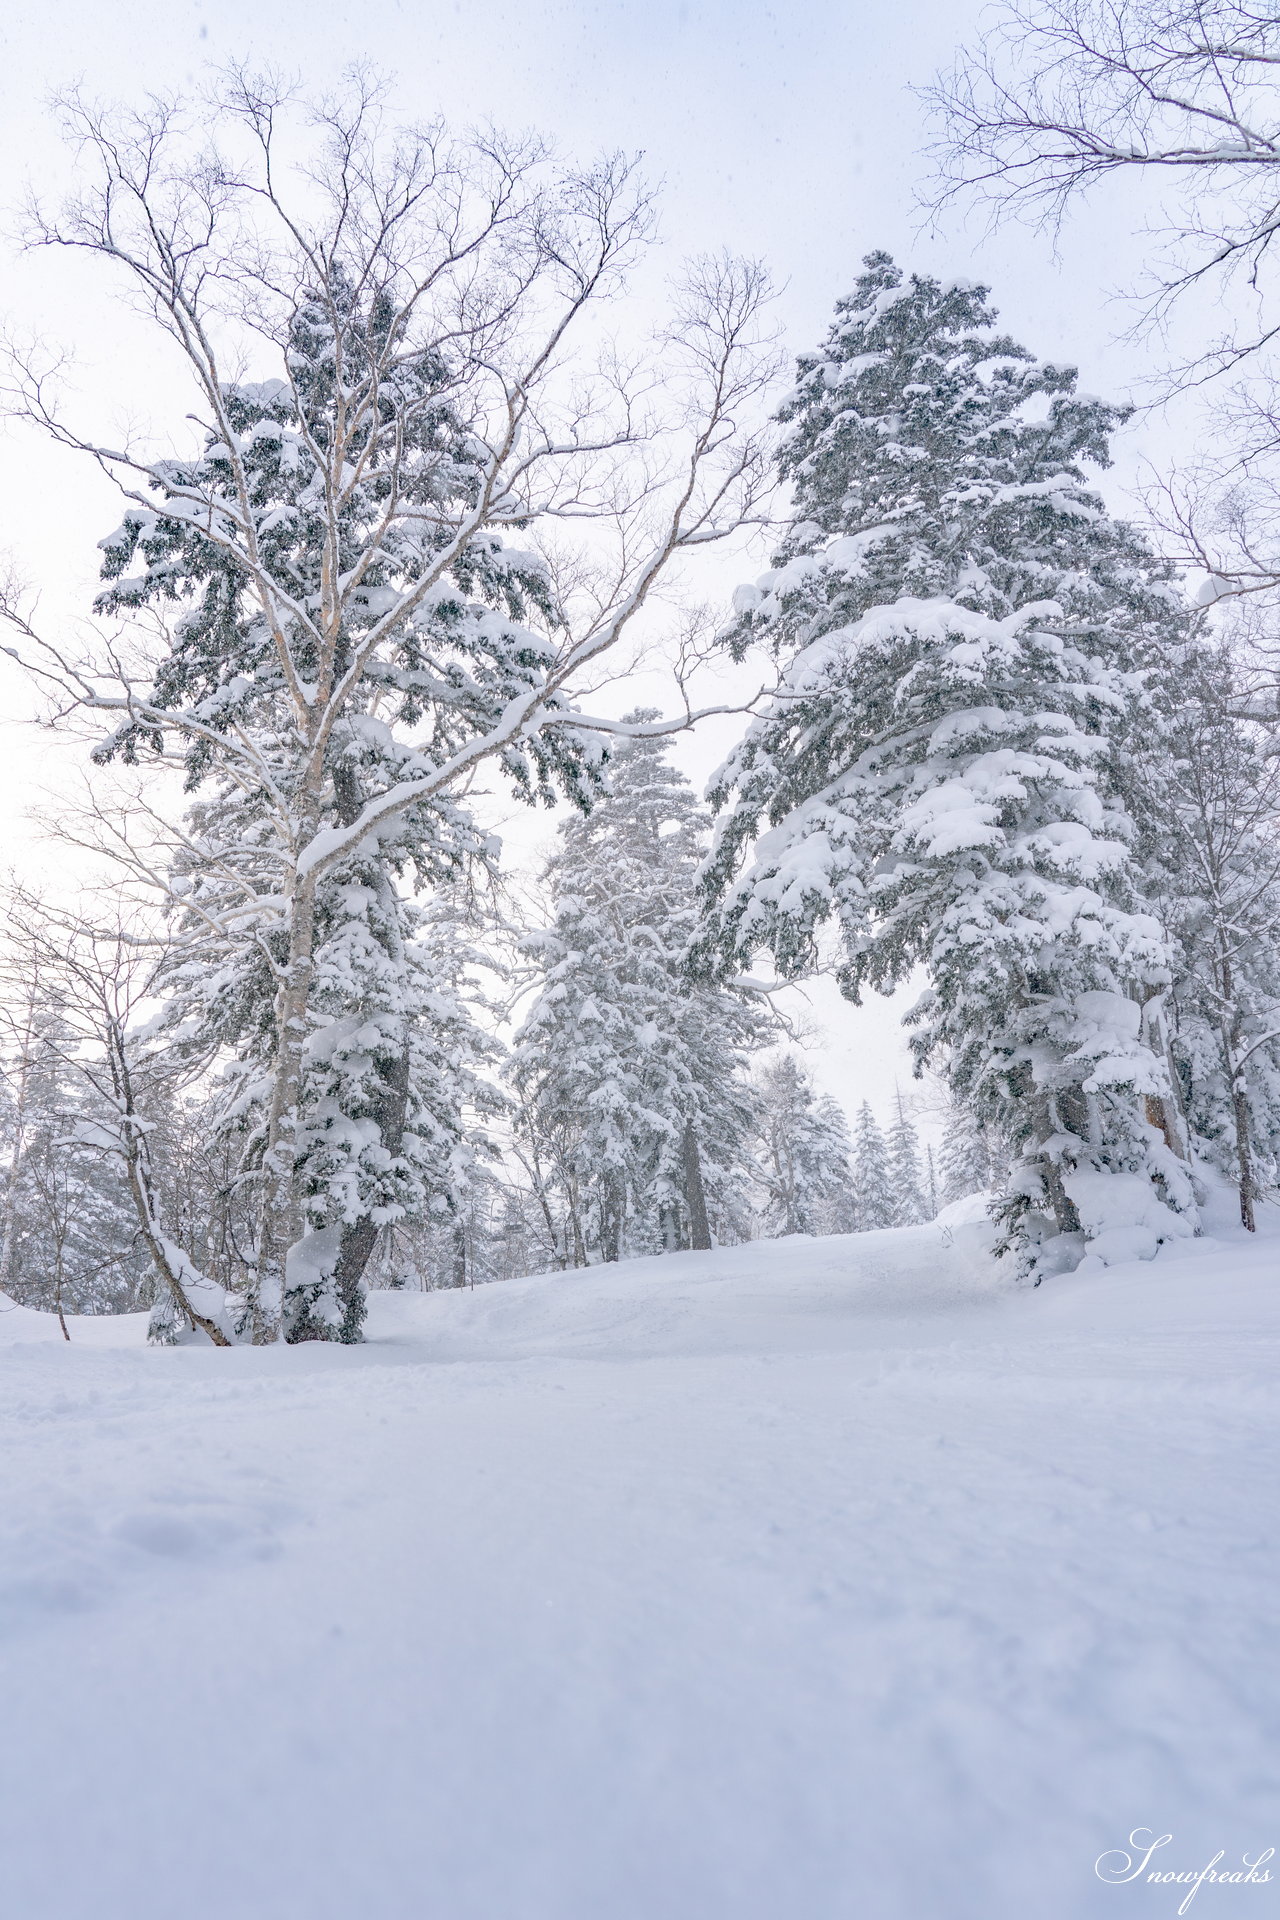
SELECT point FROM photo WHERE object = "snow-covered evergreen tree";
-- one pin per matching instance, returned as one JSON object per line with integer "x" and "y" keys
{"x": 932, "y": 1192}
{"x": 803, "y": 1153}
{"x": 874, "y": 1205}
{"x": 363, "y": 1060}
{"x": 394, "y": 1087}
{"x": 1213, "y": 851}
{"x": 70, "y": 1232}
{"x": 637, "y": 1113}
{"x": 964, "y": 1159}
{"x": 966, "y": 636}
{"x": 906, "y": 1181}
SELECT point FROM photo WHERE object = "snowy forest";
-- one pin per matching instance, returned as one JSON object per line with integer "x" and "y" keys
{"x": 306, "y": 1033}
{"x": 639, "y": 960}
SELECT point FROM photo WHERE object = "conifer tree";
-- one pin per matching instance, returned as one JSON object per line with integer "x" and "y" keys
{"x": 633, "y": 1077}
{"x": 873, "y": 1199}
{"x": 966, "y": 637}
{"x": 933, "y": 1198}
{"x": 70, "y": 1229}
{"x": 964, "y": 1161}
{"x": 902, "y": 1147}
{"x": 1212, "y": 841}
{"x": 803, "y": 1153}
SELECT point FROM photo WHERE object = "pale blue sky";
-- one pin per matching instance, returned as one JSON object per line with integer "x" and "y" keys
{"x": 785, "y": 132}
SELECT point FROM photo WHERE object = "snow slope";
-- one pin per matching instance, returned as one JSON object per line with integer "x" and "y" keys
{"x": 805, "y": 1580}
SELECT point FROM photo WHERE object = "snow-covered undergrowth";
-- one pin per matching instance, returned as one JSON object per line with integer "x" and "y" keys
{"x": 786, "y": 1582}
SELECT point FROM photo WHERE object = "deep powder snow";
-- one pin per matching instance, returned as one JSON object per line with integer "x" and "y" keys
{"x": 803, "y": 1580}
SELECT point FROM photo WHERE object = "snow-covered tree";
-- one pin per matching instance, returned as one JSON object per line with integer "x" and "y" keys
{"x": 1213, "y": 847}
{"x": 931, "y": 1190}
{"x": 333, "y": 612}
{"x": 203, "y": 1195}
{"x": 23, "y": 1017}
{"x": 967, "y": 637}
{"x": 70, "y": 1232}
{"x": 803, "y": 1153}
{"x": 874, "y": 1205}
{"x": 86, "y": 1118}
{"x": 965, "y": 1162}
{"x": 637, "y": 1113}
{"x": 906, "y": 1181}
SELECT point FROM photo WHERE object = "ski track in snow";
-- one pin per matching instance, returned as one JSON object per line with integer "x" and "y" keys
{"x": 797, "y": 1581}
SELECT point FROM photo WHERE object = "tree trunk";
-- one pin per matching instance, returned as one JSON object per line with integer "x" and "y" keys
{"x": 1065, "y": 1215}
{"x": 1156, "y": 1109}
{"x": 560, "y": 1254}
{"x": 695, "y": 1193}
{"x": 1244, "y": 1151}
{"x": 162, "y": 1254}
{"x": 354, "y": 1255}
{"x": 390, "y": 1106}
{"x": 613, "y": 1213}
{"x": 1162, "y": 1110}
{"x": 1230, "y": 1031}
{"x": 19, "y": 1144}
{"x": 11, "y": 1192}
{"x": 279, "y": 1205}
{"x": 59, "y": 1269}
{"x": 176, "y": 1272}
{"x": 1240, "y": 1118}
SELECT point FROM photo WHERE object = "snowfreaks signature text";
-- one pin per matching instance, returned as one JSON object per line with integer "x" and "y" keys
{"x": 1117, "y": 1867}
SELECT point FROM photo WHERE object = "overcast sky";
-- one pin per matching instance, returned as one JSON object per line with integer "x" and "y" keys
{"x": 785, "y": 132}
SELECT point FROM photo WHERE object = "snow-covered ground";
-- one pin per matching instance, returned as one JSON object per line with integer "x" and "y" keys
{"x": 805, "y": 1580}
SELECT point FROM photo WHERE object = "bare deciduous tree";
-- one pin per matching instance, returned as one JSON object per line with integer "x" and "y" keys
{"x": 1223, "y": 854}
{"x": 91, "y": 982}
{"x": 1061, "y": 95}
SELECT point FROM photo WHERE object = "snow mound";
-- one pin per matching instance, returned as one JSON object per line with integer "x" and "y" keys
{"x": 18, "y": 1325}
{"x": 798, "y": 1294}
{"x": 973, "y": 1211}
{"x": 1122, "y": 1217}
